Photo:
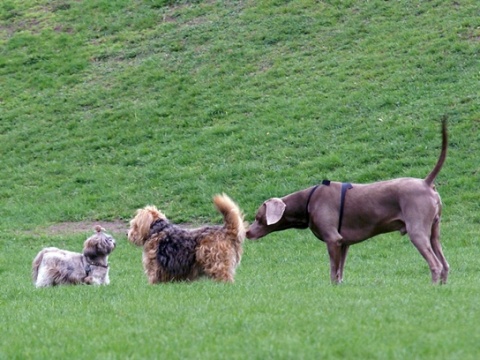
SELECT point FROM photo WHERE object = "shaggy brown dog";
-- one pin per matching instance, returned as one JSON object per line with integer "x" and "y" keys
{"x": 171, "y": 253}
{"x": 53, "y": 266}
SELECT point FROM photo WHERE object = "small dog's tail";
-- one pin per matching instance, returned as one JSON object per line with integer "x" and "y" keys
{"x": 36, "y": 263}
{"x": 232, "y": 216}
{"x": 443, "y": 154}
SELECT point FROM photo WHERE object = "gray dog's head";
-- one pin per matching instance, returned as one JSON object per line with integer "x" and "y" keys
{"x": 99, "y": 244}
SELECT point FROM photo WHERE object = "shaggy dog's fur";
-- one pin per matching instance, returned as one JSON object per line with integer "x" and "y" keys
{"x": 53, "y": 266}
{"x": 171, "y": 253}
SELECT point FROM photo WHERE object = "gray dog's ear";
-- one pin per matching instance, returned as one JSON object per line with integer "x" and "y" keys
{"x": 275, "y": 208}
{"x": 90, "y": 248}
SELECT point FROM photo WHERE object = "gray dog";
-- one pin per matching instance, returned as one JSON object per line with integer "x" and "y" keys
{"x": 53, "y": 266}
{"x": 343, "y": 214}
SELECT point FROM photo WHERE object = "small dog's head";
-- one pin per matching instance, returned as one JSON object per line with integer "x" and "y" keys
{"x": 139, "y": 230}
{"x": 99, "y": 244}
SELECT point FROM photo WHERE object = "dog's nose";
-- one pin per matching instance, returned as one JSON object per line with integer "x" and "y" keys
{"x": 251, "y": 235}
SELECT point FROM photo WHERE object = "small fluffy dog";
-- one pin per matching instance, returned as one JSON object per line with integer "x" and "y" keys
{"x": 171, "y": 253}
{"x": 53, "y": 266}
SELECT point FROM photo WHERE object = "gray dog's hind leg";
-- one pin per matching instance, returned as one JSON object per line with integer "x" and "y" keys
{"x": 437, "y": 249}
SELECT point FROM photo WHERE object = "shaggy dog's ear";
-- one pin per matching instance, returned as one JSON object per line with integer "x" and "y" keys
{"x": 140, "y": 224}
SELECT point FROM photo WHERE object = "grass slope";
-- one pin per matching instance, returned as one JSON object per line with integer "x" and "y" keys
{"x": 106, "y": 106}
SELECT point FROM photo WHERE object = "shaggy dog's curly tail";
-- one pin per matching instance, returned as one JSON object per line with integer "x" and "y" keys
{"x": 232, "y": 216}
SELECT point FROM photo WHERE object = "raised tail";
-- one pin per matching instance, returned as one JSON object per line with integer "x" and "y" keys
{"x": 232, "y": 216}
{"x": 443, "y": 154}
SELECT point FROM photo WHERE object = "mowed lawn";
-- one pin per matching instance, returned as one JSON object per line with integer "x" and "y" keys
{"x": 107, "y": 106}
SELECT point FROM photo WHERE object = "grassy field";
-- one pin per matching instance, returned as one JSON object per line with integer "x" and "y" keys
{"x": 106, "y": 106}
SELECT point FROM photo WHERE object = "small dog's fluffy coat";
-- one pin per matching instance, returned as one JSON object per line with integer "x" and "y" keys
{"x": 53, "y": 266}
{"x": 171, "y": 253}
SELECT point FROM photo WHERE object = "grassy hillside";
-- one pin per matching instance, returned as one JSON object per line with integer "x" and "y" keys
{"x": 113, "y": 104}
{"x": 106, "y": 106}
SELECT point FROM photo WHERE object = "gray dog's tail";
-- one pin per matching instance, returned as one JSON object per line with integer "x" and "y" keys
{"x": 38, "y": 261}
{"x": 36, "y": 264}
{"x": 443, "y": 155}
{"x": 232, "y": 216}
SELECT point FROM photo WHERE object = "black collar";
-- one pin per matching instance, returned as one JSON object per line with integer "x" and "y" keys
{"x": 91, "y": 263}
{"x": 88, "y": 266}
{"x": 308, "y": 202}
{"x": 100, "y": 265}
{"x": 324, "y": 182}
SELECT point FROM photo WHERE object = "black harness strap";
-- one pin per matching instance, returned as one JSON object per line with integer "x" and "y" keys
{"x": 308, "y": 200}
{"x": 345, "y": 187}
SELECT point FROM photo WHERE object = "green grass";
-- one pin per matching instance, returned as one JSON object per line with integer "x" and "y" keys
{"x": 106, "y": 106}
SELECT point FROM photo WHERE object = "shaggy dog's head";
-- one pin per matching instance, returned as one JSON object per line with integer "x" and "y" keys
{"x": 99, "y": 244}
{"x": 139, "y": 230}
